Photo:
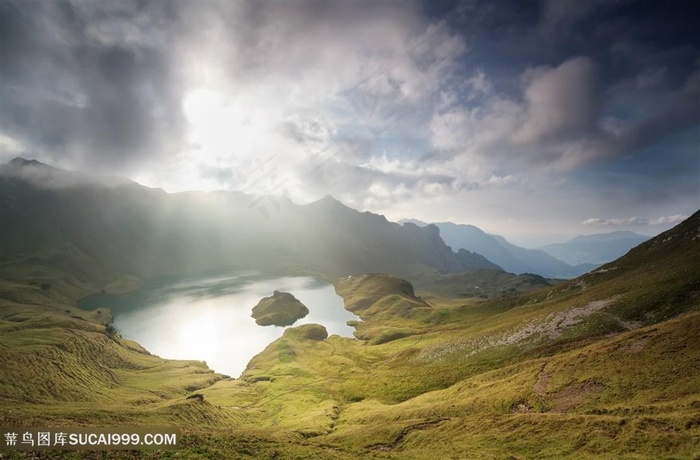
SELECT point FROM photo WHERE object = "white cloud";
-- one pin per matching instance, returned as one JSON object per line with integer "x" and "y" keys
{"x": 10, "y": 146}
{"x": 336, "y": 97}
{"x": 635, "y": 221}
{"x": 478, "y": 86}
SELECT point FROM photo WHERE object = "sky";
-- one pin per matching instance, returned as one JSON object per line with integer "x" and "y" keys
{"x": 536, "y": 120}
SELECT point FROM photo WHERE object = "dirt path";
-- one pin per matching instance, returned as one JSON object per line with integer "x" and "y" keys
{"x": 540, "y": 386}
{"x": 388, "y": 447}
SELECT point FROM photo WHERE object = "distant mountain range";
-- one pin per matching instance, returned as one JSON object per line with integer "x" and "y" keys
{"x": 119, "y": 225}
{"x": 70, "y": 220}
{"x": 595, "y": 249}
{"x": 610, "y": 356}
{"x": 564, "y": 260}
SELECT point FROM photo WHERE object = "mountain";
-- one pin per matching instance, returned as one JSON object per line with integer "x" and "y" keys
{"x": 127, "y": 228}
{"x": 510, "y": 257}
{"x": 417, "y": 222}
{"x": 479, "y": 283}
{"x": 595, "y": 249}
{"x": 542, "y": 263}
{"x": 601, "y": 366}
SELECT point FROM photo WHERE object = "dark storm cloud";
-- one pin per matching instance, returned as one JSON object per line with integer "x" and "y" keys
{"x": 647, "y": 59}
{"x": 85, "y": 84}
{"x": 610, "y": 76}
{"x": 675, "y": 112}
{"x": 621, "y": 36}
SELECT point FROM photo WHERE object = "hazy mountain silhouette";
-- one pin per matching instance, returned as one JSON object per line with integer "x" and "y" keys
{"x": 595, "y": 249}
{"x": 142, "y": 231}
{"x": 510, "y": 257}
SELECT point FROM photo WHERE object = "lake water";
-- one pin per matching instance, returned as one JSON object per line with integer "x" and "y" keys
{"x": 208, "y": 318}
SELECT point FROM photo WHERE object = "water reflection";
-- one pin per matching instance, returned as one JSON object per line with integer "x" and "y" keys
{"x": 209, "y": 318}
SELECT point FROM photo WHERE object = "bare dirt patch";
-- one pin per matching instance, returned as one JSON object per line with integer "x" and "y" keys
{"x": 554, "y": 324}
{"x": 540, "y": 386}
{"x": 549, "y": 326}
{"x": 388, "y": 447}
{"x": 573, "y": 395}
{"x": 636, "y": 346}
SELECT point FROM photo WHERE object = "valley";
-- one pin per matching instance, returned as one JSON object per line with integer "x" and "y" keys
{"x": 349, "y": 230}
{"x": 196, "y": 317}
{"x": 524, "y": 367}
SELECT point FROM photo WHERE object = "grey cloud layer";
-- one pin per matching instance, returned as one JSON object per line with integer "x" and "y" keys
{"x": 87, "y": 88}
{"x": 636, "y": 221}
{"x": 380, "y": 104}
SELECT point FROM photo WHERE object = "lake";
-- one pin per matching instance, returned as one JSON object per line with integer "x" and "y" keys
{"x": 208, "y": 318}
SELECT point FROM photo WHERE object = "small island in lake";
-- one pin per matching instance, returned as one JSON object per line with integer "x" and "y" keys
{"x": 281, "y": 309}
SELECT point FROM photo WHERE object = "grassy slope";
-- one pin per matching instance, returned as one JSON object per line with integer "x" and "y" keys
{"x": 59, "y": 363}
{"x": 481, "y": 283}
{"x": 601, "y": 366}
{"x": 589, "y": 368}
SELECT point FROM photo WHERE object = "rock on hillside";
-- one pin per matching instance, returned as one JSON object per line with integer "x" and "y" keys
{"x": 307, "y": 331}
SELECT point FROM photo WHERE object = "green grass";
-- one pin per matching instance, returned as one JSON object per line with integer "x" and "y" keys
{"x": 604, "y": 366}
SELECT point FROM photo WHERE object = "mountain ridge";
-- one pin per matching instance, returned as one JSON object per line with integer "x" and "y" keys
{"x": 596, "y": 248}
{"x": 145, "y": 232}
{"x": 51, "y": 177}
{"x": 510, "y": 257}
{"x": 602, "y": 366}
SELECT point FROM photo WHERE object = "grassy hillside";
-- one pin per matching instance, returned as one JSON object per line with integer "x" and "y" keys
{"x": 603, "y": 366}
{"x": 61, "y": 364}
{"x": 481, "y": 283}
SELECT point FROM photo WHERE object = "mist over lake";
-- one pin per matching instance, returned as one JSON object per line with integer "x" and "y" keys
{"x": 208, "y": 318}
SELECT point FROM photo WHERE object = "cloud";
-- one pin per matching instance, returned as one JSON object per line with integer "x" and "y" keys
{"x": 553, "y": 123}
{"x": 635, "y": 221}
{"x": 382, "y": 182}
{"x": 559, "y": 122}
{"x": 47, "y": 177}
{"x": 674, "y": 111}
{"x": 392, "y": 104}
{"x": 479, "y": 85}
{"x": 557, "y": 15}
{"x": 11, "y": 147}
{"x": 562, "y": 103}
{"x": 88, "y": 90}
{"x": 326, "y": 88}
{"x": 140, "y": 62}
